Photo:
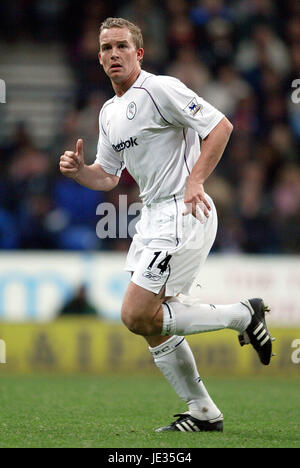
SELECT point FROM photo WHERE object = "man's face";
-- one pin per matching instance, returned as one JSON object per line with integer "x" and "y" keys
{"x": 118, "y": 54}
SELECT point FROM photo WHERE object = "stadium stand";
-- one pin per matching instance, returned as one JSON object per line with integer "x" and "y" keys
{"x": 242, "y": 56}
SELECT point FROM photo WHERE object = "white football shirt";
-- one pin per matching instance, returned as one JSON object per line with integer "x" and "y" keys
{"x": 153, "y": 130}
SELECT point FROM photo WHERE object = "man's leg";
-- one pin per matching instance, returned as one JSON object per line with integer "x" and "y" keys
{"x": 175, "y": 360}
{"x": 148, "y": 314}
{"x": 155, "y": 317}
{"x": 158, "y": 319}
{"x": 187, "y": 319}
{"x": 246, "y": 317}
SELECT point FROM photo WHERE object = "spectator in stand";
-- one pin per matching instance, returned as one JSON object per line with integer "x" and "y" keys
{"x": 79, "y": 304}
{"x": 286, "y": 208}
{"x": 263, "y": 48}
{"x": 150, "y": 16}
{"x": 188, "y": 68}
{"x": 29, "y": 183}
{"x": 254, "y": 210}
{"x": 227, "y": 91}
{"x": 249, "y": 13}
{"x": 83, "y": 121}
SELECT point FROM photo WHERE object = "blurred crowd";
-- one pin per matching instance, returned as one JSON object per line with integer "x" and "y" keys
{"x": 240, "y": 55}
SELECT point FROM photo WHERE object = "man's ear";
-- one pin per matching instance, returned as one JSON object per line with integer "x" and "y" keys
{"x": 99, "y": 57}
{"x": 140, "y": 54}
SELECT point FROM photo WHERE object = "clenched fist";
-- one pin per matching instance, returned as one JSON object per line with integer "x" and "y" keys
{"x": 72, "y": 163}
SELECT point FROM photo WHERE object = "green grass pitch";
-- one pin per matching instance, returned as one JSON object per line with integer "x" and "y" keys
{"x": 121, "y": 412}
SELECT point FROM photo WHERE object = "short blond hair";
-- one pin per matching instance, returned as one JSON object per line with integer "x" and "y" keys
{"x": 136, "y": 32}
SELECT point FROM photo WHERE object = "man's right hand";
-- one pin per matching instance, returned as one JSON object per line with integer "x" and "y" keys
{"x": 72, "y": 163}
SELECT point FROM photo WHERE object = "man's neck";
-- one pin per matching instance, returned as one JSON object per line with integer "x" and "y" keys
{"x": 121, "y": 88}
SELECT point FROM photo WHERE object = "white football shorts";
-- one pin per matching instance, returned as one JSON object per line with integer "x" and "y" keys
{"x": 169, "y": 249}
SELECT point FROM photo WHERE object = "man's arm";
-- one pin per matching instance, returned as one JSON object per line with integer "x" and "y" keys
{"x": 93, "y": 177}
{"x": 212, "y": 148}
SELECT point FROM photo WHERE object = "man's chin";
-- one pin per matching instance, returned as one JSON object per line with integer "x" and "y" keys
{"x": 117, "y": 76}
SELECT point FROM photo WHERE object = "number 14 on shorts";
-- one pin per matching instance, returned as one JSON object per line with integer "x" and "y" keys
{"x": 162, "y": 265}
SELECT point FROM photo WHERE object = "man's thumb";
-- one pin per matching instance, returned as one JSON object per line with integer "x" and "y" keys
{"x": 79, "y": 147}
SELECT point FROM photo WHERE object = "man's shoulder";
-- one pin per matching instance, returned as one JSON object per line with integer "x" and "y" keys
{"x": 157, "y": 82}
{"x": 108, "y": 102}
{"x": 106, "y": 106}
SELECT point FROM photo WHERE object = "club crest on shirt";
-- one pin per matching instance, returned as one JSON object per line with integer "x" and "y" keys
{"x": 131, "y": 111}
{"x": 193, "y": 107}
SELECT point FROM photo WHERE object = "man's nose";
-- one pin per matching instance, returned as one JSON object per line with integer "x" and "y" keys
{"x": 115, "y": 52}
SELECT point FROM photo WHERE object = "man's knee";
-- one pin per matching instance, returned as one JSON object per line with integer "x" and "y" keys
{"x": 140, "y": 321}
{"x": 129, "y": 318}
